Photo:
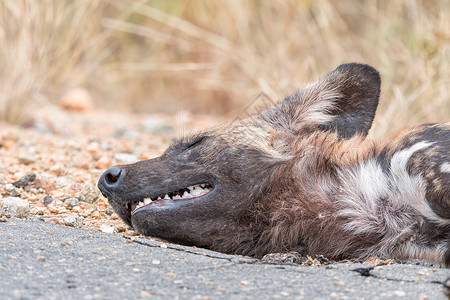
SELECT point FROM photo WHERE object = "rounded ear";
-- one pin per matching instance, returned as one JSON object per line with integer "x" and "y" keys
{"x": 354, "y": 110}
{"x": 343, "y": 101}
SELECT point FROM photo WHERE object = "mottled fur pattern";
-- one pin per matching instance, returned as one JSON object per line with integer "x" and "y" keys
{"x": 300, "y": 176}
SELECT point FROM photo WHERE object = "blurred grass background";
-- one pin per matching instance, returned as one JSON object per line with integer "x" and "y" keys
{"x": 215, "y": 57}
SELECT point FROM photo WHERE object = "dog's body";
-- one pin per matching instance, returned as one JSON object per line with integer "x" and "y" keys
{"x": 299, "y": 176}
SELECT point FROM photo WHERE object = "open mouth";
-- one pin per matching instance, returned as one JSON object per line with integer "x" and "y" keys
{"x": 190, "y": 192}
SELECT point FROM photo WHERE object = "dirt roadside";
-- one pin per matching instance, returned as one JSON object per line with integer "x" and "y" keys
{"x": 53, "y": 163}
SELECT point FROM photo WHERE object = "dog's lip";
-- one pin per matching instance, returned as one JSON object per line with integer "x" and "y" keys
{"x": 161, "y": 203}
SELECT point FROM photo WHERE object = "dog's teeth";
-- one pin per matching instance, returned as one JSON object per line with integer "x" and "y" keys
{"x": 167, "y": 197}
{"x": 147, "y": 201}
{"x": 176, "y": 197}
{"x": 159, "y": 198}
{"x": 186, "y": 194}
{"x": 197, "y": 191}
{"x": 133, "y": 206}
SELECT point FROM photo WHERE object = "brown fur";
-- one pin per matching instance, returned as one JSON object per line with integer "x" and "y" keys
{"x": 300, "y": 176}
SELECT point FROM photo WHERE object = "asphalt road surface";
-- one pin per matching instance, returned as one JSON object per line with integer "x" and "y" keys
{"x": 46, "y": 261}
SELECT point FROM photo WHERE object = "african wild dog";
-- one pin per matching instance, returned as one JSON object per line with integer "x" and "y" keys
{"x": 299, "y": 176}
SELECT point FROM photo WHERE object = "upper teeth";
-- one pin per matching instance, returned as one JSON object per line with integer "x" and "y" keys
{"x": 189, "y": 192}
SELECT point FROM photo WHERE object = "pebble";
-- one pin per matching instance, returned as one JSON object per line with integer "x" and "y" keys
{"x": 93, "y": 148}
{"x": 90, "y": 193}
{"x": 399, "y": 293}
{"x": 25, "y": 180}
{"x": 334, "y": 295}
{"x": 9, "y": 187}
{"x": 71, "y": 202}
{"x": 121, "y": 228}
{"x": 77, "y": 209}
{"x": 77, "y": 99}
{"x": 107, "y": 229}
{"x": 96, "y": 214}
{"x": 72, "y": 221}
{"x": 26, "y": 159}
{"x": 52, "y": 220}
{"x": 126, "y": 158}
{"x": 103, "y": 163}
{"x": 41, "y": 258}
{"x": 14, "y": 206}
{"x": 47, "y": 200}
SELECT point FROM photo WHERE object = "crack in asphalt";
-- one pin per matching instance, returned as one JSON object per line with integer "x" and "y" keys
{"x": 230, "y": 259}
{"x": 365, "y": 272}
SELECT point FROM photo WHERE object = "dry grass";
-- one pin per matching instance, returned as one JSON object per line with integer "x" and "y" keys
{"x": 216, "y": 56}
{"x": 46, "y": 48}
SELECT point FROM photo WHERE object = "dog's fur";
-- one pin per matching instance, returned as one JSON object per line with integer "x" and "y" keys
{"x": 300, "y": 176}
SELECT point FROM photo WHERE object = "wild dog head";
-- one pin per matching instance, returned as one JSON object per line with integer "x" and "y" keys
{"x": 210, "y": 189}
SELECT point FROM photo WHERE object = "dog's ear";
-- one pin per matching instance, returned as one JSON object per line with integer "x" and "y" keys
{"x": 345, "y": 101}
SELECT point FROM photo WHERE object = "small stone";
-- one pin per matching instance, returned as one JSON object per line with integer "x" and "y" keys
{"x": 47, "y": 200}
{"x": 52, "y": 220}
{"x": 26, "y": 159}
{"x": 93, "y": 148}
{"x": 334, "y": 295}
{"x": 9, "y": 187}
{"x": 121, "y": 228}
{"x": 114, "y": 216}
{"x": 71, "y": 202}
{"x": 156, "y": 262}
{"x": 77, "y": 99}
{"x": 107, "y": 229}
{"x": 77, "y": 209}
{"x": 41, "y": 259}
{"x": 90, "y": 193}
{"x": 126, "y": 158}
{"x": 399, "y": 293}
{"x": 14, "y": 206}
{"x": 103, "y": 163}
{"x": 54, "y": 210}
{"x": 96, "y": 214}
{"x": 3, "y": 219}
{"x": 25, "y": 180}
{"x": 72, "y": 221}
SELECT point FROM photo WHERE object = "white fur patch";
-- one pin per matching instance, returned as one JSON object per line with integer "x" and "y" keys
{"x": 412, "y": 188}
{"x": 373, "y": 183}
{"x": 360, "y": 204}
{"x": 445, "y": 167}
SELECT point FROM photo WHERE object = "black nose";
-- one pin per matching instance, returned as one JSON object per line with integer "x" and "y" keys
{"x": 110, "y": 180}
